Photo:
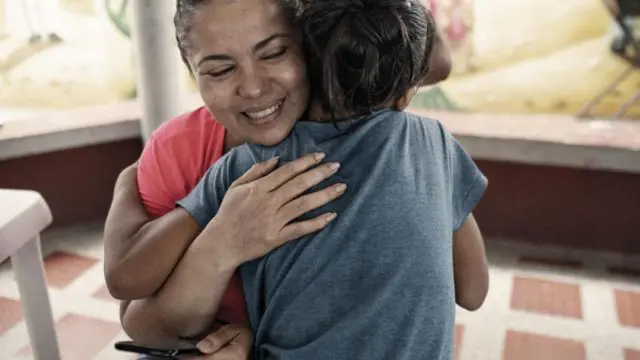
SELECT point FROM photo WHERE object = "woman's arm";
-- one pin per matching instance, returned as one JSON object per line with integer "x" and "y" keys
{"x": 471, "y": 272}
{"x": 439, "y": 62}
{"x": 192, "y": 292}
{"x": 613, "y": 6}
{"x": 140, "y": 253}
{"x": 254, "y": 218}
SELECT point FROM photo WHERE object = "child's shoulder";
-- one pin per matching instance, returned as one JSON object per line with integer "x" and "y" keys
{"x": 239, "y": 159}
{"x": 414, "y": 123}
{"x": 408, "y": 118}
{"x": 423, "y": 121}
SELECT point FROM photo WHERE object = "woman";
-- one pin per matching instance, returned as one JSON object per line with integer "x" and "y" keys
{"x": 189, "y": 143}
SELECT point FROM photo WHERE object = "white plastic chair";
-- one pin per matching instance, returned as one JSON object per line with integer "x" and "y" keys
{"x": 23, "y": 215}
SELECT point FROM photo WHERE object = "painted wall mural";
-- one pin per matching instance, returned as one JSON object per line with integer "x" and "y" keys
{"x": 525, "y": 56}
{"x": 531, "y": 56}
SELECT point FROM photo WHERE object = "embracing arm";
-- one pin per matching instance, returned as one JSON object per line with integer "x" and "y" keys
{"x": 613, "y": 6}
{"x": 471, "y": 272}
{"x": 254, "y": 217}
{"x": 439, "y": 62}
{"x": 189, "y": 299}
{"x": 140, "y": 252}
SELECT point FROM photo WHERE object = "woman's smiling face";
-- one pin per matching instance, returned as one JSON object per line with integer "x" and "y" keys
{"x": 249, "y": 68}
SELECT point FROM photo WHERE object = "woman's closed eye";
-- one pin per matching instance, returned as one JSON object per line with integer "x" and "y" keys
{"x": 218, "y": 73}
{"x": 274, "y": 54}
{"x": 221, "y": 72}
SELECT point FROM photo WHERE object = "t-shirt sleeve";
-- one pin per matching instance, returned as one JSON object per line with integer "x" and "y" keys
{"x": 175, "y": 158}
{"x": 204, "y": 200}
{"x": 206, "y": 197}
{"x": 468, "y": 184}
{"x": 156, "y": 164}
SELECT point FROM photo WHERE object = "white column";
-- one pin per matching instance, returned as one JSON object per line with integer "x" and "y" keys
{"x": 3, "y": 18}
{"x": 157, "y": 63}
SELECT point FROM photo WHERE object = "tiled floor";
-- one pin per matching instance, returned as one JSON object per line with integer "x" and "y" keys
{"x": 544, "y": 304}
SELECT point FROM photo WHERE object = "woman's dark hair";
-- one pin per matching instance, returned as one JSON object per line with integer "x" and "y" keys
{"x": 186, "y": 8}
{"x": 363, "y": 55}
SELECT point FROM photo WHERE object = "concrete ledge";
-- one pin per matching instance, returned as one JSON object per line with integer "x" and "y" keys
{"x": 69, "y": 129}
{"x": 529, "y": 139}
{"x": 554, "y": 140}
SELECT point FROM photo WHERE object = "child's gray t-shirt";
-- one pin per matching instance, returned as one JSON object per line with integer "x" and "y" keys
{"x": 377, "y": 283}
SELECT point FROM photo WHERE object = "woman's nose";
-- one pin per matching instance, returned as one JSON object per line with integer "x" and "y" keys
{"x": 251, "y": 85}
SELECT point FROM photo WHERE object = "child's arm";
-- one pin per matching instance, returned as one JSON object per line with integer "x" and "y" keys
{"x": 140, "y": 253}
{"x": 471, "y": 272}
{"x": 468, "y": 184}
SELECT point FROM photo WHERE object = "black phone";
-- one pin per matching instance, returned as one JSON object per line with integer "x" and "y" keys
{"x": 182, "y": 348}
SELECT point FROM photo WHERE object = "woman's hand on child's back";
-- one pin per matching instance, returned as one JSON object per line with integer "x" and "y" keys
{"x": 258, "y": 209}
{"x": 230, "y": 342}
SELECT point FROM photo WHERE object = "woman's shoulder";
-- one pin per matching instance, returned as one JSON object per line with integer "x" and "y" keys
{"x": 198, "y": 121}
{"x": 195, "y": 136}
{"x": 176, "y": 156}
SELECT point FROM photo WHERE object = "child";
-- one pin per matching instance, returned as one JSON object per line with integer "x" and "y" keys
{"x": 378, "y": 282}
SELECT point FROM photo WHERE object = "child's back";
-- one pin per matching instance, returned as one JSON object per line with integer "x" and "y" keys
{"x": 377, "y": 283}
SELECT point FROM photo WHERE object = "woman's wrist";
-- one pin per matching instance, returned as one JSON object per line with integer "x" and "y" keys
{"x": 217, "y": 235}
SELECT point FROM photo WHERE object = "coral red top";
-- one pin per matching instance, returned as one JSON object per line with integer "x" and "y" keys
{"x": 176, "y": 156}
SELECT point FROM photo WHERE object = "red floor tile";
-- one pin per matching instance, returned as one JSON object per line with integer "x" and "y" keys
{"x": 628, "y": 308}
{"x": 62, "y": 268}
{"x": 630, "y": 354}
{"x": 526, "y": 346}
{"x": 81, "y": 337}
{"x": 104, "y": 294}
{"x": 459, "y": 333}
{"x": 546, "y": 297}
{"x": 563, "y": 263}
{"x": 10, "y": 313}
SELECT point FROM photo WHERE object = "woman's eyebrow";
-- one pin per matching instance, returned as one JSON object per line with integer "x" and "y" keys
{"x": 213, "y": 57}
{"x": 262, "y": 43}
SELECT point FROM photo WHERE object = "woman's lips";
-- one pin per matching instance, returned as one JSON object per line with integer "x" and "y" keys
{"x": 265, "y": 115}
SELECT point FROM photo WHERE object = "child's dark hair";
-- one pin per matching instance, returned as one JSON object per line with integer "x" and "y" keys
{"x": 363, "y": 55}
{"x": 186, "y": 8}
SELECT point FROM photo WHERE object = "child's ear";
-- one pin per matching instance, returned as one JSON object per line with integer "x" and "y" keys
{"x": 405, "y": 99}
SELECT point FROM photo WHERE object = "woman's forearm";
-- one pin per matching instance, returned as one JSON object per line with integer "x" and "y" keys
{"x": 143, "y": 264}
{"x": 132, "y": 238}
{"x": 145, "y": 323}
{"x": 186, "y": 304}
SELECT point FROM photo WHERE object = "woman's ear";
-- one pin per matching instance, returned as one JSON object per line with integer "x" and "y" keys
{"x": 404, "y": 101}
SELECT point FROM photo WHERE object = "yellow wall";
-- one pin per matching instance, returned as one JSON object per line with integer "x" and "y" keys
{"x": 540, "y": 56}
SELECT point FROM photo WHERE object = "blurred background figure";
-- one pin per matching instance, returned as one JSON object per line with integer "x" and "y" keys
{"x": 626, "y": 13}
{"x": 41, "y": 17}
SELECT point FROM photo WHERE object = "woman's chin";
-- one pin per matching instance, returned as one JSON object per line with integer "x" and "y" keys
{"x": 270, "y": 137}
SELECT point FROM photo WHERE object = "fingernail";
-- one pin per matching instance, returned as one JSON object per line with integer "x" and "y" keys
{"x": 334, "y": 166}
{"x": 318, "y": 156}
{"x": 331, "y": 216}
{"x": 275, "y": 159}
{"x": 205, "y": 346}
{"x": 341, "y": 188}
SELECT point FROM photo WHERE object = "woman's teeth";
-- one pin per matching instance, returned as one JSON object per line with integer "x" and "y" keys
{"x": 257, "y": 115}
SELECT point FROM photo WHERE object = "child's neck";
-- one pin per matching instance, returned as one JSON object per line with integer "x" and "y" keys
{"x": 318, "y": 113}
